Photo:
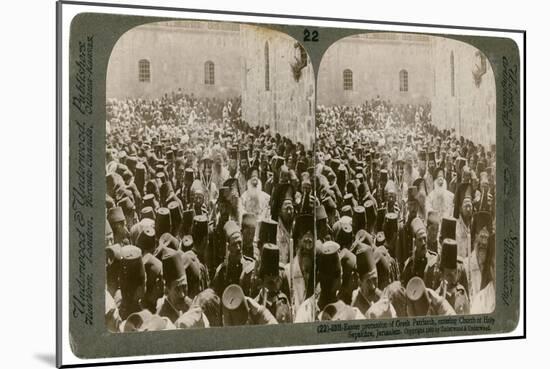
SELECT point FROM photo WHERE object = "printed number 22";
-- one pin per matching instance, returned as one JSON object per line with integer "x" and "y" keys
{"x": 314, "y": 35}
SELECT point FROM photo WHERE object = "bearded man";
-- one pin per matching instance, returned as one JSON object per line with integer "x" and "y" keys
{"x": 440, "y": 199}
{"x": 254, "y": 200}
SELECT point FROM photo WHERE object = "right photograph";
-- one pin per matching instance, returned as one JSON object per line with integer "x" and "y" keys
{"x": 405, "y": 177}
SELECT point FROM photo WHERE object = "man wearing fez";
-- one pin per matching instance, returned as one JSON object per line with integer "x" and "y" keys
{"x": 184, "y": 193}
{"x": 423, "y": 301}
{"x": 270, "y": 294}
{"x": 282, "y": 211}
{"x": 367, "y": 294}
{"x": 154, "y": 287}
{"x": 132, "y": 281}
{"x": 449, "y": 287}
{"x": 326, "y": 305}
{"x": 248, "y": 230}
{"x": 117, "y": 221}
{"x": 480, "y": 266}
{"x": 463, "y": 212}
{"x": 236, "y": 268}
{"x": 239, "y": 309}
{"x": 300, "y": 271}
{"x": 176, "y": 300}
{"x": 422, "y": 258}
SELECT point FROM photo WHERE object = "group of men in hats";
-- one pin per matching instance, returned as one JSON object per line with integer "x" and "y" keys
{"x": 209, "y": 221}
{"x": 405, "y": 224}
{"x": 213, "y": 222}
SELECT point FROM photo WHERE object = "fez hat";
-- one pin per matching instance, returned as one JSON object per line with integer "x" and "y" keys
{"x": 162, "y": 221}
{"x": 343, "y": 234}
{"x": 200, "y": 228}
{"x": 431, "y": 155}
{"x": 302, "y": 224}
{"x": 113, "y": 253}
{"x": 186, "y": 242}
{"x": 153, "y": 269}
{"x": 422, "y": 155}
{"x": 390, "y": 225}
{"x": 175, "y": 215}
{"x": 173, "y": 267}
{"x": 448, "y": 254}
{"x": 187, "y": 220}
{"x": 417, "y": 226}
{"x": 328, "y": 261}
{"x": 235, "y": 308}
{"x": 370, "y": 211}
{"x": 115, "y": 215}
{"x": 448, "y": 228}
{"x": 148, "y": 213}
{"x": 418, "y": 301}
{"x": 382, "y": 267}
{"x": 269, "y": 261}
{"x": 267, "y": 232}
{"x": 482, "y": 219}
{"x": 149, "y": 200}
{"x": 380, "y": 217}
{"x": 366, "y": 263}
{"x": 348, "y": 199}
{"x": 192, "y": 272}
{"x": 146, "y": 240}
{"x": 359, "y": 218}
{"x": 230, "y": 228}
{"x": 348, "y": 261}
{"x": 132, "y": 272}
{"x": 346, "y": 211}
{"x": 338, "y": 311}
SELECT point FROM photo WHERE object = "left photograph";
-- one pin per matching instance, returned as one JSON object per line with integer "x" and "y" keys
{"x": 209, "y": 166}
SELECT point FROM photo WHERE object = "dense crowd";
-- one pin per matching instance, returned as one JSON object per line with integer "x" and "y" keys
{"x": 408, "y": 209}
{"x": 215, "y": 222}
{"x": 209, "y": 220}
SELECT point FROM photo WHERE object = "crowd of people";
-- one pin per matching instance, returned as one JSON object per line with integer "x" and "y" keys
{"x": 211, "y": 221}
{"x": 409, "y": 210}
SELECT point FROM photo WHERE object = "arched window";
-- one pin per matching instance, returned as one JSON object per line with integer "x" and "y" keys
{"x": 209, "y": 76}
{"x": 403, "y": 81}
{"x": 266, "y": 62}
{"x": 348, "y": 80}
{"x": 144, "y": 70}
{"x": 452, "y": 74}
